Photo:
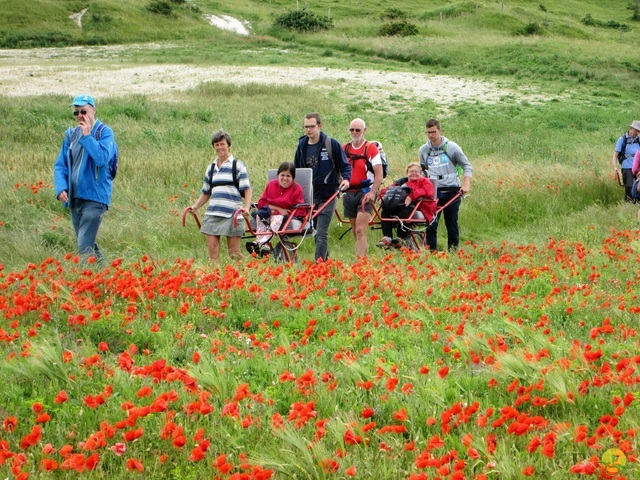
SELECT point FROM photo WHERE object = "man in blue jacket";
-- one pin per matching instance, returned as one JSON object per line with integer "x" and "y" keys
{"x": 331, "y": 171}
{"x": 82, "y": 175}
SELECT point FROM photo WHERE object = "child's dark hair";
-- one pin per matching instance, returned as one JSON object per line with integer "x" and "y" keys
{"x": 287, "y": 167}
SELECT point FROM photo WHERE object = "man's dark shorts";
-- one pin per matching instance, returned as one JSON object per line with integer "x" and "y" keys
{"x": 352, "y": 204}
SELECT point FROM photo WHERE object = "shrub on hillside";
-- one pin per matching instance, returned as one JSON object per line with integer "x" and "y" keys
{"x": 529, "y": 29}
{"x": 35, "y": 40}
{"x": 101, "y": 18}
{"x": 160, "y": 7}
{"x": 398, "y": 29}
{"x": 635, "y": 8}
{"x": 590, "y": 21}
{"x": 302, "y": 21}
{"x": 394, "y": 14}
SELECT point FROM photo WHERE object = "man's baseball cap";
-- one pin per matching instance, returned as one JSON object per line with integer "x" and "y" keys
{"x": 82, "y": 100}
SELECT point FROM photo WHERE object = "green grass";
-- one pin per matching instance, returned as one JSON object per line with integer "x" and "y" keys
{"x": 538, "y": 168}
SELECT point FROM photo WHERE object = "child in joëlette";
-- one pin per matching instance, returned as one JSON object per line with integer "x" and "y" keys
{"x": 278, "y": 200}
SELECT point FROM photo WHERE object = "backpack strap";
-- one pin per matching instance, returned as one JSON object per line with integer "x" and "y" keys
{"x": 328, "y": 146}
{"x": 425, "y": 168}
{"x": 234, "y": 174}
{"x": 364, "y": 156}
{"x": 623, "y": 149}
{"x": 210, "y": 178}
{"x": 99, "y": 129}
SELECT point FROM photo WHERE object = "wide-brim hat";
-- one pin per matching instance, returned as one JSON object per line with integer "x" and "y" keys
{"x": 84, "y": 99}
{"x": 635, "y": 124}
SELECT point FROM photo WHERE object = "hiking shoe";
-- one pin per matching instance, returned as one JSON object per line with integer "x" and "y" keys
{"x": 252, "y": 247}
{"x": 384, "y": 243}
{"x": 397, "y": 242}
{"x": 265, "y": 250}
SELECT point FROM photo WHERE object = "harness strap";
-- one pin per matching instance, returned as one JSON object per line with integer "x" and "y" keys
{"x": 441, "y": 177}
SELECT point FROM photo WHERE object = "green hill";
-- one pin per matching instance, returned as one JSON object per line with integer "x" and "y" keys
{"x": 553, "y": 40}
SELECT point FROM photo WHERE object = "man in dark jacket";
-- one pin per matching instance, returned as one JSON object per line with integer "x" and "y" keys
{"x": 331, "y": 171}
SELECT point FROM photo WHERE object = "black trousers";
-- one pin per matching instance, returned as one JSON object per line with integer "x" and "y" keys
{"x": 450, "y": 214}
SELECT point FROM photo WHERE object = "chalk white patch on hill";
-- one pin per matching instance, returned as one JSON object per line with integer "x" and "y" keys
{"x": 227, "y": 22}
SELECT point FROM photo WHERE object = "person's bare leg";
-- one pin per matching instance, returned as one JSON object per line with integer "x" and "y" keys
{"x": 234, "y": 247}
{"x": 213, "y": 245}
{"x": 360, "y": 225}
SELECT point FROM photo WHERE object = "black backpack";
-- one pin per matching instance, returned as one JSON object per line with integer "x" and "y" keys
{"x": 235, "y": 182}
{"x": 394, "y": 197}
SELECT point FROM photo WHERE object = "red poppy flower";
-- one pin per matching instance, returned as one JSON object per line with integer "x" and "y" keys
{"x": 132, "y": 435}
{"x": 367, "y": 412}
{"x": 48, "y": 465}
{"x": 144, "y": 391}
{"x": 134, "y": 464}
{"x": 43, "y": 418}
{"x": 92, "y": 462}
{"x": 61, "y": 397}
{"x": 528, "y": 471}
{"x": 9, "y": 424}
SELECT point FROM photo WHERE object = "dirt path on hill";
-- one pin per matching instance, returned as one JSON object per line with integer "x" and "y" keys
{"x": 61, "y": 71}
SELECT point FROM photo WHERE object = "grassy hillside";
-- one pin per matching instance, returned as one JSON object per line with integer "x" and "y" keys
{"x": 476, "y": 38}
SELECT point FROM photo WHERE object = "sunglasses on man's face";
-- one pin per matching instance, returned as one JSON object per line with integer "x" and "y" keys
{"x": 78, "y": 112}
{"x": 357, "y": 130}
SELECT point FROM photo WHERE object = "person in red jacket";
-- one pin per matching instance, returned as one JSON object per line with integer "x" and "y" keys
{"x": 420, "y": 188}
{"x": 278, "y": 200}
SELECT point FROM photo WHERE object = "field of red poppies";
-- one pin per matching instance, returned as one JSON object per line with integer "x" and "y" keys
{"x": 496, "y": 362}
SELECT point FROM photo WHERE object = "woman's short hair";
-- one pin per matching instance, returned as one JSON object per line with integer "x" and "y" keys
{"x": 219, "y": 136}
{"x": 413, "y": 164}
{"x": 287, "y": 167}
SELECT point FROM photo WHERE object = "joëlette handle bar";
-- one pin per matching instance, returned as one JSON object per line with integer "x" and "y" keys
{"x": 327, "y": 202}
{"x": 451, "y": 200}
{"x": 184, "y": 216}
{"x": 618, "y": 178}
